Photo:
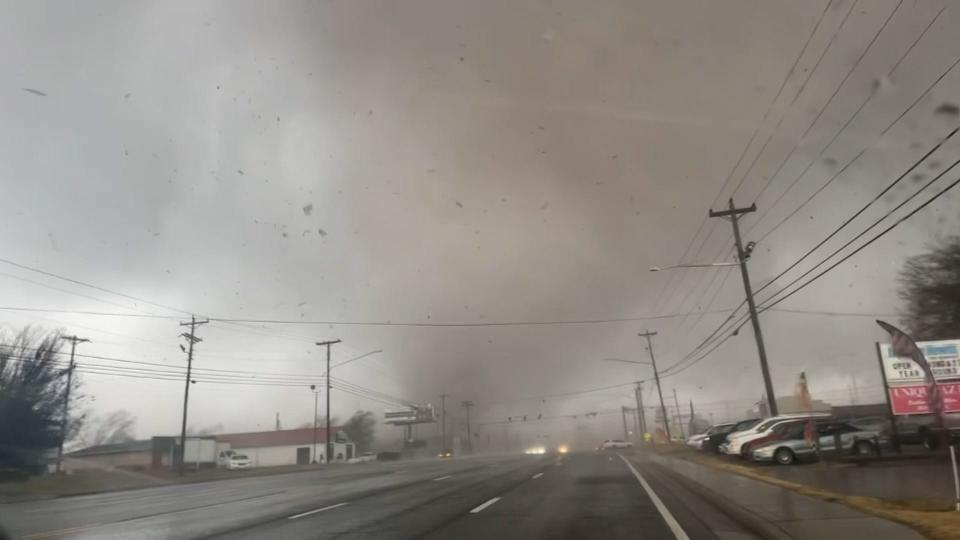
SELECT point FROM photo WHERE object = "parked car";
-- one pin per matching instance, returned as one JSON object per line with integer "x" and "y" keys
{"x": 363, "y": 458}
{"x": 784, "y": 431}
{"x": 696, "y": 441}
{"x": 734, "y": 444}
{"x": 238, "y": 461}
{"x": 852, "y": 440}
{"x": 613, "y": 444}
{"x": 712, "y": 442}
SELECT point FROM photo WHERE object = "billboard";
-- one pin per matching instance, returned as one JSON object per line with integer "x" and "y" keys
{"x": 943, "y": 357}
{"x": 912, "y": 399}
{"x": 412, "y": 415}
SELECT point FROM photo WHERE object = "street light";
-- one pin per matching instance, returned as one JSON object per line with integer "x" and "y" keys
{"x": 316, "y": 394}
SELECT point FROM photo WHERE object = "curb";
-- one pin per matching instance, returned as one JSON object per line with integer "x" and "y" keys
{"x": 744, "y": 517}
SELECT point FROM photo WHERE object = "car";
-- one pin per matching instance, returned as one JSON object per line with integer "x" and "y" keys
{"x": 445, "y": 453}
{"x": 784, "y": 431}
{"x": 735, "y": 442}
{"x": 614, "y": 444}
{"x": 852, "y": 440}
{"x": 238, "y": 461}
{"x": 696, "y": 441}
{"x": 363, "y": 458}
{"x": 712, "y": 442}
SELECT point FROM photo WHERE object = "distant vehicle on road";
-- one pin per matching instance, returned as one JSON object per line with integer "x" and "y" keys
{"x": 388, "y": 456}
{"x": 363, "y": 458}
{"x": 613, "y": 444}
{"x": 712, "y": 442}
{"x": 852, "y": 439}
{"x": 238, "y": 461}
{"x": 445, "y": 453}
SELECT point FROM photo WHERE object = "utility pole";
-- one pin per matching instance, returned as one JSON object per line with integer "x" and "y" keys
{"x": 191, "y": 340}
{"x": 328, "y": 447}
{"x": 638, "y": 394}
{"x": 656, "y": 376}
{"x": 316, "y": 394}
{"x": 742, "y": 256}
{"x": 66, "y": 397}
{"x": 467, "y": 404}
{"x": 690, "y": 429}
{"x": 679, "y": 417}
{"x": 626, "y": 432}
{"x": 443, "y": 423}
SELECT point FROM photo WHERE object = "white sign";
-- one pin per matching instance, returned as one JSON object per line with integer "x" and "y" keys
{"x": 943, "y": 357}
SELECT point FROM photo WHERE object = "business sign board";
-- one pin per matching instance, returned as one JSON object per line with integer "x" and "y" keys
{"x": 943, "y": 357}
{"x": 912, "y": 399}
{"x": 413, "y": 415}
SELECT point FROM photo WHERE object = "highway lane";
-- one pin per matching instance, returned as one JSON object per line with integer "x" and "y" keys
{"x": 193, "y": 510}
{"x": 574, "y": 496}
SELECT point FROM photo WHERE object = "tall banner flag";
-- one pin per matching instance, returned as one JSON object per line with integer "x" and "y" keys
{"x": 903, "y": 345}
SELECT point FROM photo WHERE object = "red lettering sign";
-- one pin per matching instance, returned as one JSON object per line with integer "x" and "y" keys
{"x": 913, "y": 399}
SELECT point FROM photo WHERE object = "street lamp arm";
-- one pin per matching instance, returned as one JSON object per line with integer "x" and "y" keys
{"x": 707, "y": 265}
{"x": 628, "y": 361}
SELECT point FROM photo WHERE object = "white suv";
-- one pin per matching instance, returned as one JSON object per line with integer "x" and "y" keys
{"x": 735, "y": 441}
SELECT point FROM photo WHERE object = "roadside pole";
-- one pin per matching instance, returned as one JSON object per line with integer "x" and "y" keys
{"x": 316, "y": 394}
{"x": 656, "y": 376}
{"x": 66, "y": 397}
{"x": 443, "y": 423}
{"x": 328, "y": 446}
{"x": 191, "y": 340}
{"x": 626, "y": 432}
{"x": 742, "y": 256}
{"x": 886, "y": 393}
{"x": 679, "y": 417}
{"x": 956, "y": 481}
{"x": 638, "y": 394}
{"x": 467, "y": 404}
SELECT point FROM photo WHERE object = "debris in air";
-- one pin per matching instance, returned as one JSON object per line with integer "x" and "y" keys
{"x": 545, "y": 205}
{"x": 127, "y": 95}
{"x": 322, "y": 233}
{"x": 308, "y": 209}
{"x": 917, "y": 177}
{"x": 947, "y": 109}
{"x": 240, "y": 172}
{"x": 459, "y": 204}
{"x": 830, "y": 162}
{"x": 34, "y": 91}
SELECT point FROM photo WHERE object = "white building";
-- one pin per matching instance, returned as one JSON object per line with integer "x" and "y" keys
{"x": 287, "y": 446}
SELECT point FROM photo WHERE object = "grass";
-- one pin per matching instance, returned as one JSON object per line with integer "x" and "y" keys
{"x": 98, "y": 481}
{"x": 934, "y": 519}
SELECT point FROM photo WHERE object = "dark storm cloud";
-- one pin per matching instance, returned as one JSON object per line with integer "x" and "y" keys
{"x": 439, "y": 161}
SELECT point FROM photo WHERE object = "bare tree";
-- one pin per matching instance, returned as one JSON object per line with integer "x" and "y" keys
{"x": 32, "y": 388}
{"x": 930, "y": 287}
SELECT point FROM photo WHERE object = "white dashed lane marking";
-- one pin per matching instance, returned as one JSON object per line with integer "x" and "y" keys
{"x": 538, "y": 475}
{"x": 484, "y": 505}
{"x": 443, "y": 477}
{"x": 318, "y": 510}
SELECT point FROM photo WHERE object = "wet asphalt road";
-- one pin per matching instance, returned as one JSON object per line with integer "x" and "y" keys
{"x": 574, "y": 496}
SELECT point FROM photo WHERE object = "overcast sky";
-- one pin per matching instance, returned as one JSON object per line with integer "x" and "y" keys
{"x": 453, "y": 161}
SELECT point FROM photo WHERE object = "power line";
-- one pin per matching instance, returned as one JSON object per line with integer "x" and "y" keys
{"x": 863, "y": 246}
{"x": 851, "y": 162}
{"x": 90, "y": 285}
{"x": 863, "y": 232}
{"x": 864, "y": 208}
